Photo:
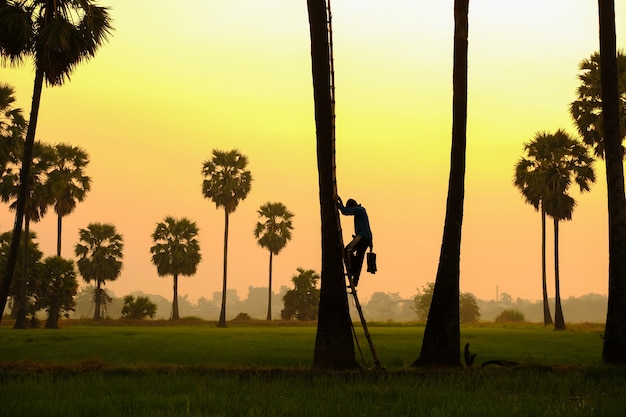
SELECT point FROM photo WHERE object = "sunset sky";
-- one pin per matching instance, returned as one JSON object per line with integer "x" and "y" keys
{"x": 174, "y": 83}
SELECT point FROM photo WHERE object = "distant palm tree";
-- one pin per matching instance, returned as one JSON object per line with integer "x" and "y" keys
{"x": 273, "y": 234}
{"x": 442, "y": 336}
{"x": 614, "y": 347}
{"x": 586, "y": 110}
{"x": 226, "y": 183}
{"x": 58, "y": 35}
{"x": 39, "y": 198}
{"x": 555, "y": 162}
{"x": 12, "y": 124}
{"x": 100, "y": 257}
{"x": 529, "y": 180}
{"x": 176, "y": 252}
{"x": 72, "y": 184}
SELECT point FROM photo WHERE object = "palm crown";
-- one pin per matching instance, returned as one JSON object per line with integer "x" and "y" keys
{"x": 226, "y": 179}
{"x": 274, "y": 233}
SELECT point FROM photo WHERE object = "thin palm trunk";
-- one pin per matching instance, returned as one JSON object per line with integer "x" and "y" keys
{"x": 269, "y": 294}
{"x": 175, "y": 315}
{"x": 614, "y": 348}
{"x": 97, "y": 314}
{"x": 547, "y": 317}
{"x": 334, "y": 346}
{"x": 27, "y": 160}
{"x": 222, "y": 320}
{"x": 442, "y": 336}
{"x": 559, "y": 321}
{"x": 59, "y": 228}
{"x": 20, "y": 319}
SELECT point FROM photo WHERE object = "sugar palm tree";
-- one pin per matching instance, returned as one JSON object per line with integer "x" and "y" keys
{"x": 586, "y": 110}
{"x": 12, "y": 122}
{"x": 442, "y": 336}
{"x": 176, "y": 251}
{"x": 58, "y": 35}
{"x": 273, "y": 233}
{"x": 334, "y": 345}
{"x": 226, "y": 183}
{"x": 72, "y": 184}
{"x": 40, "y": 192}
{"x": 99, "y": 253}
{"x": 529, "y": 180}
{"x": 614, "y": 347}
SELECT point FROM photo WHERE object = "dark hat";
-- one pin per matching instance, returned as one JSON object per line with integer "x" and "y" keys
{"x": 351, "y": 203}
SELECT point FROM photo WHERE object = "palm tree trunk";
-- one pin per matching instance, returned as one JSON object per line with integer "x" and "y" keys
{"x": 59, "y": 227}
{"x": 27, "y": 160}
{"x": 614, "y": 348}
{"x": 175, "y": 315}
{"x": 96, "y": 314}
{"x": 222, "y": 320}
{"x": 559, "y": 322}
{"x": 20, "y": 320}
{"x": 334, "y": 346}
{"x": 442, "y": 336}
{"x": 547, "y": 317}
{"x": 269, "y": 294}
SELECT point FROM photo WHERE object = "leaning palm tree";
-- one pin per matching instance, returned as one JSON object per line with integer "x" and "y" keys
{"x": 100, "y": 257}
{"x": 58, "y": 35}
{"x": 40, "y": 194}
{"x": 442, "y": 336}
{"x": 529, "y": 180}
{"x": 614, "y": 347}
{"x": 273, "y": 233}
{"x": 226, "y": 182}
{"x": 176, "y": 251}
{"x": 586, "y": 110}
{"x": 72, "y": 184}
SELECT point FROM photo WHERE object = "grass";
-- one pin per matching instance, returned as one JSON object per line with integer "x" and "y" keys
{"x": 196, "y": 369}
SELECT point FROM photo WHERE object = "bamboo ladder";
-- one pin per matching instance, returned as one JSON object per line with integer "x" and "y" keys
{"x": 329, "y": 29}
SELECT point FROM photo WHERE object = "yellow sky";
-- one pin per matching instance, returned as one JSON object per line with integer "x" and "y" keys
{"x": 176, "y": 82}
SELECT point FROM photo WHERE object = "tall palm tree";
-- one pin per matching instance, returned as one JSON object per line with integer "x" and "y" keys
{"x": 100, "y": 257}
{"x": 176, "y": 251}
{"x": 226, "y": 182}
{"x": 72, "y": 184}
{"x": 273, "y": 234}
{"x": 586, "y": 110}
{"x": 334, "y": 345}
{"x": 614, "y": 348}
{"x": 442, "y": 336}
{"x": 555, "y": 161}
{"x": 39, "y": 199}
{"x": 529, "y": 180}
{"x": 58, "y": 35}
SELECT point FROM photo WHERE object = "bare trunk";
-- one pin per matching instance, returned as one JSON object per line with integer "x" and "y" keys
{"x": 96, "y": 314}
{"x": 614, "y": 348}
{"x": 59, "y": 227}
{"x": 27, "y": 159}
{"x": 559, "y": 321}
{"x": 269, "y": 293}
{"x": 441, "y": 345}
{"x": 175, "y": 315}
{"x": 20, "y": 319}
{"x": 222, "y": 320}
{"x": 547, "y": 317}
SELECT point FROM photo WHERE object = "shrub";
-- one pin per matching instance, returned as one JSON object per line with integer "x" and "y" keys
{"x": 510, "y": 315}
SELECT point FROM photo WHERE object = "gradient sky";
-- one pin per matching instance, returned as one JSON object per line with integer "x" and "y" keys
{"x": 176, "y": 82}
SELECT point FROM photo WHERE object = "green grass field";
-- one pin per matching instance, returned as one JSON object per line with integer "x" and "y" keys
{"x": 196, "y": 369}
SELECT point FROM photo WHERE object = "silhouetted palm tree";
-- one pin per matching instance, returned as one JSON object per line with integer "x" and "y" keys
{"x": 58, "y": 35}
{"x": 40, "y": 192}
{"x": 176, "y": 252}
{"x": 100, "y": 257}
{"x": 586, "y": 110}
{"x": 529, "y": 180}
{"x": 334, "y": 345}
{"x": 442, "y": 335}
{"x": 273, "y": 233}
{"x": 614, "y": 348}
{"x": 226, "y": 183}
{"x": 71, "y": 183}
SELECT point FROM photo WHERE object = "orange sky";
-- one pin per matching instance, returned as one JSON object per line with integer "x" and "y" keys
{"x": 175, "y": 83}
